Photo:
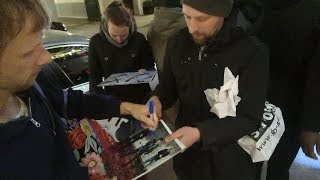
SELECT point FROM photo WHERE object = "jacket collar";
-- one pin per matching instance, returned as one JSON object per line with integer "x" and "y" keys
{"x": 234, "y": 27}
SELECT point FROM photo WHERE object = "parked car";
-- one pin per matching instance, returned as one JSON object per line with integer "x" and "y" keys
{"x": 58, "y": 26}
{"x": 69, "y": 53}
{"x": 69, "y": 69}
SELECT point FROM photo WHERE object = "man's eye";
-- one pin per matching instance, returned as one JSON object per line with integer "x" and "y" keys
{"x": 201, "y": 19}
{"x": 29, "y": 53}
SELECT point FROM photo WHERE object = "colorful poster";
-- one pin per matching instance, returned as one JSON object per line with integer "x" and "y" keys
{"x": 97, "y": 147}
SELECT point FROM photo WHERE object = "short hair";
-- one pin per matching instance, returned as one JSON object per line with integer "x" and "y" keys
{"x": 13, "y": 15}
{"x": 117, "y": 13}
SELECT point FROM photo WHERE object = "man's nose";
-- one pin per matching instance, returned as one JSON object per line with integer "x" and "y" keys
{"x": 193, "y": 26}
{"x": 45, "y": 56}
{"x": 119, "y": 39}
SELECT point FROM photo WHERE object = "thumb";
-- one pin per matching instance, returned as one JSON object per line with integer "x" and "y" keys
{"x": 175, "y": 135}
{"x": 310, "y": 151}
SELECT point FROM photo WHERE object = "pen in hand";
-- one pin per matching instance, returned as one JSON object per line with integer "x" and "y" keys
{"x": 151, "y": 112}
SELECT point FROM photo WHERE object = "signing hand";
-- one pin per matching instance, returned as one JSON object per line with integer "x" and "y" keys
{"x": 308, "y": 140}
{"x": 155, "y": 120}
{"x": 157, "y": 106}
{"x": 138, "y": 111}
{"x": 187, "y": 135}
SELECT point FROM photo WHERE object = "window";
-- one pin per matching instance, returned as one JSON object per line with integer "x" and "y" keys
{"x": 73, "y": 60}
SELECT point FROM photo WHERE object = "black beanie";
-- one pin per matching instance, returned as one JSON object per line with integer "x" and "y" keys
{"x": 220, "y": 8}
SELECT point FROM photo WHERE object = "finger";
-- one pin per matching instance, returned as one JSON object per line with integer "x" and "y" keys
{"x": 158, "y": 111}
{"x": 156, "y": 120}
{"x": 304, "y": 149}
{"x": 184, "y": 141}
{"x": 144, "y": 126}
{"x": 157, "y": 107}
{"x": 310, "y": 152}
{"x": 148, "y": 121}
{"x": 313, "y": 156}
{"x": 318, "y": 146}
{"x": 175, "y": 135}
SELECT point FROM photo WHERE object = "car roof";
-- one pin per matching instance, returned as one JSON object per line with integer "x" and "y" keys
{"x": 52, "y": 38}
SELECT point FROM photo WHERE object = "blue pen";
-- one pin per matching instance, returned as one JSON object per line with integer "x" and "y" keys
{"x": 151, "y": 112}
{"x": 151, "y": 109}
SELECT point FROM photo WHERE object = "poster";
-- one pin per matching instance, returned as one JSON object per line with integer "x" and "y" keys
{"x": 150, "y": 77}
{"x": 107, "y": 157}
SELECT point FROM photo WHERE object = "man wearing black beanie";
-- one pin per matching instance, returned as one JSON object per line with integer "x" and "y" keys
{"x": 216, "y": 38}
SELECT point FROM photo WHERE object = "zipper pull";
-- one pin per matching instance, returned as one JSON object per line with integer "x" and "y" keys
{"x": 36, "y": 123}
{"x": 199, "y": 57}
{"x": 200, "y": 53}
{"x": 103, "y": 78}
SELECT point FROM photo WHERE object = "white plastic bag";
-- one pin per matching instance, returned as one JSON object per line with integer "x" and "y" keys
{"x": 261, "y": 144}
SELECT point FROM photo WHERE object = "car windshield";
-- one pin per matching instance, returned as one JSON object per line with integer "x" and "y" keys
{"x": 73, "y": 60}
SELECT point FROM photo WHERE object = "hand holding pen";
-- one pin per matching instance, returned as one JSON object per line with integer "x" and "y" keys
{"x": 157, "y": 106}
{"x": 138, "y": 111}
{"x": 152, "y": 115}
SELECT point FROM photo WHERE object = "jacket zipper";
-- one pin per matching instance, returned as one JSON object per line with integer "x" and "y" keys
{"x": 36, "y": 123}
{"x": 200, "y": 53}
{"x": 103, "y": 78}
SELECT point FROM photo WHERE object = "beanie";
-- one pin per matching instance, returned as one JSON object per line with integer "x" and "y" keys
{"x": 220, "y": 8}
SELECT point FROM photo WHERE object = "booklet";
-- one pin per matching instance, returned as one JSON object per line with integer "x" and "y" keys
{"x": 100, "y": 150}
{"x": 150, "y": 77}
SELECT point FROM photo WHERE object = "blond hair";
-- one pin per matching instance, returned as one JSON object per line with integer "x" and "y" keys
{"x": 13, "y": 15}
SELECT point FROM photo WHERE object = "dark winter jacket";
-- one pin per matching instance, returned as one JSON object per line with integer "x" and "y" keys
{"x": 106, "y": 59}
{"x": 188, "y": 72}
{"x": 167, "y": 22}
{"x": 290, "y": 31}
{"x": 36, "y": 147}
{"x": 311, "y": 95}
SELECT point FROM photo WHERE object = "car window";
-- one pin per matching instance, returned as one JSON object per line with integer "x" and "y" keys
{"x": 73, "y": 60}
{"x": 56, "y": 76}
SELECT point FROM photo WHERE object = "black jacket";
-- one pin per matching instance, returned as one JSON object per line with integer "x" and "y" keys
{"x": 106, "y": 59}
{"x": 311, "y": 95}
{"x": 43, "y": 152}
{"x": 291, "y": 31}
{"x": 188, "y": 72}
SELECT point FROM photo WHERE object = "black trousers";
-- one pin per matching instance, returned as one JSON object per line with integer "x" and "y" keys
{"x": 228, "y": 163}
{"x": 283, "y": 156}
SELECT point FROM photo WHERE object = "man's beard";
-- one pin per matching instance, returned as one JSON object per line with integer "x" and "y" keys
{"x": 14, "y": 88}
{"x": 201, "y": 40}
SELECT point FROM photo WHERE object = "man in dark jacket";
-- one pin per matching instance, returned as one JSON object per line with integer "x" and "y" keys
{"x": 291, "y": 31}
{"x": 196, "y": 58}
{"x": 118, "y": 48}
{"x": 32, "y": 131}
